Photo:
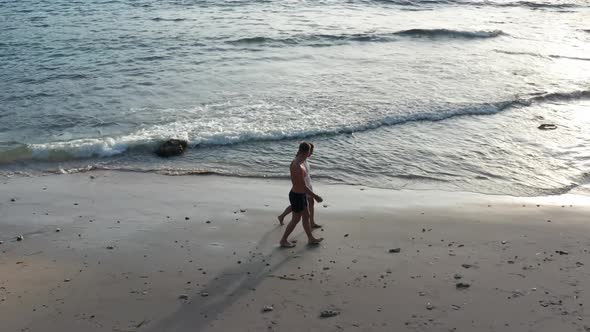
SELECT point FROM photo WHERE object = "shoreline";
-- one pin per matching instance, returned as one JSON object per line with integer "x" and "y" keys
{"x": 126, "y": 257}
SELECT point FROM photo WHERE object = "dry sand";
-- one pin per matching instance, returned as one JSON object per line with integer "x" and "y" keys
{"x": 143, "y": 252}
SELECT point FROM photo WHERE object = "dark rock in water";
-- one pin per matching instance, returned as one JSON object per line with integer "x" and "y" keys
{"x": 172, "y": 147}
{"x": 329, "y": 313}
{"x": 547, "y": 126}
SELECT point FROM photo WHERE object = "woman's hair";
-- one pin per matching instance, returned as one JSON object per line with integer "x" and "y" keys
{"x": 304, "y": 147}
{"x": 311, "y": 148}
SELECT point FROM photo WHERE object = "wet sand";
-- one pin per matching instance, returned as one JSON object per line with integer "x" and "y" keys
{"x": 144, "y": 252}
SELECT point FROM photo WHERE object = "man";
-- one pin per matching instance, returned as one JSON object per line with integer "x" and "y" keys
{"x": 310, "y": 200}
{"x": 298, "y": 198}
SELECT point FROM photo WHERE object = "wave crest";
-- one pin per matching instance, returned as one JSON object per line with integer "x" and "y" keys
{"x": 146, "y": 140}
{"x": 326, "y": 39}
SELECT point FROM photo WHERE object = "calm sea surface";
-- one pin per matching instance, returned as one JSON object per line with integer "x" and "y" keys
{"x": 394, "y": 94}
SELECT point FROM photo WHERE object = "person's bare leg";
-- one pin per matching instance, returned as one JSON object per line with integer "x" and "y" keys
{"x": 290, "y": 227}
{"x": 307, "y": 228}
{"x": 282, "y": 216}
{"x": 312, "y": 213}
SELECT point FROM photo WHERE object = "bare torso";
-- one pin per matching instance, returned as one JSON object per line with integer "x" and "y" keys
{"x": 298, "y": 173}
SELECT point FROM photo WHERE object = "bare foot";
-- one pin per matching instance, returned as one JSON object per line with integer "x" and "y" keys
{"x": 287, "y": 244}
{"x": 281, "y": 218}
{"x": 314, "y": 242}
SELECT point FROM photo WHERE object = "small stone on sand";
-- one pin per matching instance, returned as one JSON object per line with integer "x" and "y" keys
{"x": 462, "y": 285}
{"x": 267, "y": 308}
{"x": 395, "y": 250}
{"x": 20, "y": 238}
{"x": 329, "y": 313}
{"x": 57, "y": 230}
{"x": 110, "y": 247}
{"x": 183, "y": 297}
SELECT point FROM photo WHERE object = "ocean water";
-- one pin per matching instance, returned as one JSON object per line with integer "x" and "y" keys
{"x": 428, "y": 94}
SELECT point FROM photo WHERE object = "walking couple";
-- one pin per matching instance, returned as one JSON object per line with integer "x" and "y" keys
{"x": 301, "y": 198}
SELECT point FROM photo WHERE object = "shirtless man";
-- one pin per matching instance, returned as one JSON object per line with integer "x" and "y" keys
{"x": 298, "y": 198}
{"x": 310, "y": 200}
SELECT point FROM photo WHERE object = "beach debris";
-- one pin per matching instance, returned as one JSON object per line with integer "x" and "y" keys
{"x": 457, "y": 276}
{"x": 67, "y": 280}
{"x": 429, "y": 306}
{"x": 267, "y": 308}
{"x": 172, "y": 147}
{"x": 187, "y": 218}
{"x": 546, "y": 303}
{"x": 242, "y": 210}
{"x": 395, "y": 250}
{"x": 462, "y": 285}
{"x": 57, "y": 230}
{"x": 20, "y": 238}
{"x": 421, "y": 294}
{"x": 346, "y": 235}
{"x": 325, "y": 205}
{"x": 547, "y": 126}
{"x": 510, "y": 262}
{"x": 503, "y": 242}
{"x": 562, "y": 252}
{"x": 283, "y": 277}
{"x": 208, "y": 222}
{"x": 136, "y": 326}
{"x": 92, "y": 177}
{"x": 204, "y": 294}
{"x": 183, "y": 297}
{"x": 467, "y": 266}
{"x": 13, "y": 199}
{"x": 329, "y": 313}
{"x": 110, "y": 247}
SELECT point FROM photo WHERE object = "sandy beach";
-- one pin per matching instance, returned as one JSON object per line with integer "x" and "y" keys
{"x": 116, "y": 251}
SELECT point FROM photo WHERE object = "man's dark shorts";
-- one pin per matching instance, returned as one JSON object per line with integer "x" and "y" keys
{"x": 298, "y": 201}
